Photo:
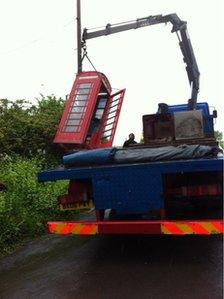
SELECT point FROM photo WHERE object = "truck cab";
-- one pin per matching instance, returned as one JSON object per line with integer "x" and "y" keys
{"x": 175, "y": 125}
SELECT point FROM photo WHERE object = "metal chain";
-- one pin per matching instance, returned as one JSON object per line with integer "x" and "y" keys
{"x": 84, "y": 47}
{"x": 91, "y": 63}
{"x": 85, "y": 54}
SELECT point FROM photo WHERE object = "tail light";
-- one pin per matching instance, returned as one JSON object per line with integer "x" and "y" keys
{"x": 202, "y": 190}
{"x": 198, "y": 190}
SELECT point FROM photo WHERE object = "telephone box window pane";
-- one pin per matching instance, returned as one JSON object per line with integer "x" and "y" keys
{"x": 108, "y": 127}
{"x": 112, "y": 114}
{"x": 107, "y": 135}
{"x": 85, "y": 85}
{"x": 114, "y": 102}
{"x": 83, "y": 91}
{"x": 71, "y": 129}
{"x": 102, "y": 103}
{"x": 80, "y": 104}
{"x": 105, "y": 139}
{"x": 81, "y": 97}
{"x": 110, "y": 120}
{"x": 72, "y": 122}
{"x": 78, "y": 109}
{"x": 75, "y": 116}
{"x": 113, "y": 109}
{"x": 99, "y": 113}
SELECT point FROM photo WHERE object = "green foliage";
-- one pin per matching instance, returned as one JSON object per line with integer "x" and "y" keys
{"x": 28, "y": 130}
{"x": 27, "y": 205}
{"x": 219, "y": 138}
{"x": 26, "y": 147}
{"x": 142, "y": 139}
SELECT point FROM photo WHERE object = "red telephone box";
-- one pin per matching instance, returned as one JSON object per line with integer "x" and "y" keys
{"x": 91, "y": 113}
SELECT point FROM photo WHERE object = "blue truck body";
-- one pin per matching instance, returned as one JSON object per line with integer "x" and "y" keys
{"x": 162, "y": 194}
{"x": 132, "y": 188}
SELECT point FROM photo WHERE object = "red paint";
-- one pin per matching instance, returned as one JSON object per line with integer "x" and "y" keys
{"x": 198, "y": 229}
{"x": 134, "y": 227}
{"x": 79, "y": 136}
{"x": 87, "y": 229}
{"x": 173, "y": 229}
{"x": 51, "y": 227}
{"x": 129, "y": 227}
{"x": 218, "y": 225}
{"x": 110, "y": 120}
{"x": 67, "y": 229}
{"x": 86, "y": 113}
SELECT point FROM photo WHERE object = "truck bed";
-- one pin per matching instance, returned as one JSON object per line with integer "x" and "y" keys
{"x": 69, "y": 173}
{"x": 136, "y": 189}
{"x": 131, "y": 188}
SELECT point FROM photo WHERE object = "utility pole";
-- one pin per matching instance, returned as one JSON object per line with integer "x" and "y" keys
{"x": 79, "y": 42}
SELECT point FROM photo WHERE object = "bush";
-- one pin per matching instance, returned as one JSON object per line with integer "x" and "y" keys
{"x": 26, "y": 205}
{"x": 28, "y": 130}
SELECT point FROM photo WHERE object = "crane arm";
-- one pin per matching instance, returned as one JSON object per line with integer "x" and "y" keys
{"x": 179, "y": 26}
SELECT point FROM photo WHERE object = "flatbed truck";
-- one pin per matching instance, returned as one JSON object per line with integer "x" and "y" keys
{"x": 161, "y": 195}
{"x": 172, "y": 184}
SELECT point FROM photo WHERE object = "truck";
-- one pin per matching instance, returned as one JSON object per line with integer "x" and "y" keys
{"x": 171, "y": 184}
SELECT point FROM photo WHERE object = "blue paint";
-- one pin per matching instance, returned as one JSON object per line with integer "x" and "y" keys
{"x": 208, "y": 119}
{"x": 132, "y": 188}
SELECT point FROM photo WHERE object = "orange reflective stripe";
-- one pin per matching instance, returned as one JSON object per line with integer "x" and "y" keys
{"x": 172, "y": 228}
{"x": 218, "y": 226}
{"x": 186, "y": 229}
{"x": 59, "y": 227}
{"x": 164, "y": 230}
{"x": 88, "y": 229}
{"x": 209, "y": 227}
{"x": 67, "y": 228}
{"x": 77, "y": 228}
{"x": 52, "y": 227}
{"x": 198, "y": 228}
{"x": 64, "y": 228}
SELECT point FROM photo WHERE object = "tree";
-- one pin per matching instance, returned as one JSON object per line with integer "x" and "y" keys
{"x": 219, "y": 138}
{"x": 28, "y": 130}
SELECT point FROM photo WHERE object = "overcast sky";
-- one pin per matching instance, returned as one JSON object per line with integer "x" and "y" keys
{"x": 38, "y": 41}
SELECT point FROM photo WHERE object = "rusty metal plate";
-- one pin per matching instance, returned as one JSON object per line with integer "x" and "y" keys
{"x": 188, "y": 125}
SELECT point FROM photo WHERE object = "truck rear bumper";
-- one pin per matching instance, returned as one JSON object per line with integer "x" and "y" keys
{"x": 202, "y": 227}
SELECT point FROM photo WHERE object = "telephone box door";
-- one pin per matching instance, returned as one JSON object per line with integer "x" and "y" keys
{"x": 110, "y": 120}
{"x": 78, "y": 110}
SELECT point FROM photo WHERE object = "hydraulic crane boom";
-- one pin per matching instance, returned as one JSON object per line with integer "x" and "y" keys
{"x": 179, "y": 26}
